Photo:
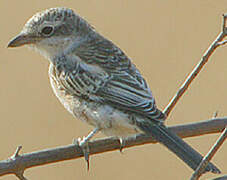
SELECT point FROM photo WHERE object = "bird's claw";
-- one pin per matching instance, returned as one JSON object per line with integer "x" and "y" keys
{"x": 122, "y": 144}
{"x": 83, "y": 143}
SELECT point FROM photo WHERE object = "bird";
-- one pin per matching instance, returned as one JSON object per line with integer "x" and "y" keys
{"x": 98, "y": 83}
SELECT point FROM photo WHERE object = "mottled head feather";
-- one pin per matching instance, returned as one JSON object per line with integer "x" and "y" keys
{"x": 64, "y": 20}
{"x": 66, "y": 27}
{"x": 53, "y": 14}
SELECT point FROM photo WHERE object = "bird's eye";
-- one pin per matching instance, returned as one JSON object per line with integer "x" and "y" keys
{"x": 47, "y": 30}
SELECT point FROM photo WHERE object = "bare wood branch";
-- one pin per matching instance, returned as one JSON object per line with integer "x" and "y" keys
{"x": 200, "y": 169}
{"x": 216, "y": 43}
{"x": 221, "y": 178}
{"x": 73, "y": 151}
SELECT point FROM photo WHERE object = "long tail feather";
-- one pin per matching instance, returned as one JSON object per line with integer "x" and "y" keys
{"x": 175, "y": 144}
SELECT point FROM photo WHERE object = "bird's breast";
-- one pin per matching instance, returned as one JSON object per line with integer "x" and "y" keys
{"x": 65, "y": 98}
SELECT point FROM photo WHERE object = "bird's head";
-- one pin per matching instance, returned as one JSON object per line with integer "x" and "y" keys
{"x": 52, "y": 31}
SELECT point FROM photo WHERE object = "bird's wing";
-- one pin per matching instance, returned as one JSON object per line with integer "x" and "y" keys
{"x": 107, "y": 74}
{"x": 128, "y": 90}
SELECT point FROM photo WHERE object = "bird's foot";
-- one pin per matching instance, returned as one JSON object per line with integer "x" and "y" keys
{"x": 83, "y": 143}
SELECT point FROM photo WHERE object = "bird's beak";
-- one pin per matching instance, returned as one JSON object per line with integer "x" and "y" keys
{"x": 21, "y": 39}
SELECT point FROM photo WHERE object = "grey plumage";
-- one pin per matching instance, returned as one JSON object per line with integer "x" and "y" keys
{"x": 121, "y": 85}
{"x": 97, "y": 82}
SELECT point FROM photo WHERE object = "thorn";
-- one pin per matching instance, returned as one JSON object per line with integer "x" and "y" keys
{"x": 215, "y": 114}
{"x": 16, "y": 154}
{"x": 20, "y": 175}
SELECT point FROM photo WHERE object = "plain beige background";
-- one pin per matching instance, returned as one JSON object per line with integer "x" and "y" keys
{"x": 165, "y": 39}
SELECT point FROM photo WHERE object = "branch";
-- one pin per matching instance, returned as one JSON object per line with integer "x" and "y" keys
{"x": 221, "y": 178}
{"x": 200, "y": 169}
{"x": 216, "y": 43}
{"x": 18, "y": 163}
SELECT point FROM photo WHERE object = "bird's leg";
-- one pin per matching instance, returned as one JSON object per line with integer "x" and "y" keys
{"x": 122, "y": 144}
{"x": 83, "y": 143}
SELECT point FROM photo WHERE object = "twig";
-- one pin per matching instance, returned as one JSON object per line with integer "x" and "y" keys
{"x": 38, "y": 158}
{"x": 199, "y": 171}
{"x": 216, "y": 43}
{"x": 222, "y": 43}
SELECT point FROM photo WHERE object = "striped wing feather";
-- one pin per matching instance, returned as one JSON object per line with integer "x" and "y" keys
{"x": 106, "y": 74}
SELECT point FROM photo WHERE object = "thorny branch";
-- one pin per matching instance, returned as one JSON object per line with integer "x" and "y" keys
{"x": 200, "y": 169}
{"x": 18, "y": 163}
{"x": 216, "y": 43}
{"x": 21, "y": 162}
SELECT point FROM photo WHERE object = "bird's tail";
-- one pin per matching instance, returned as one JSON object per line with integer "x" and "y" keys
{"x": 175, "y": 144}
